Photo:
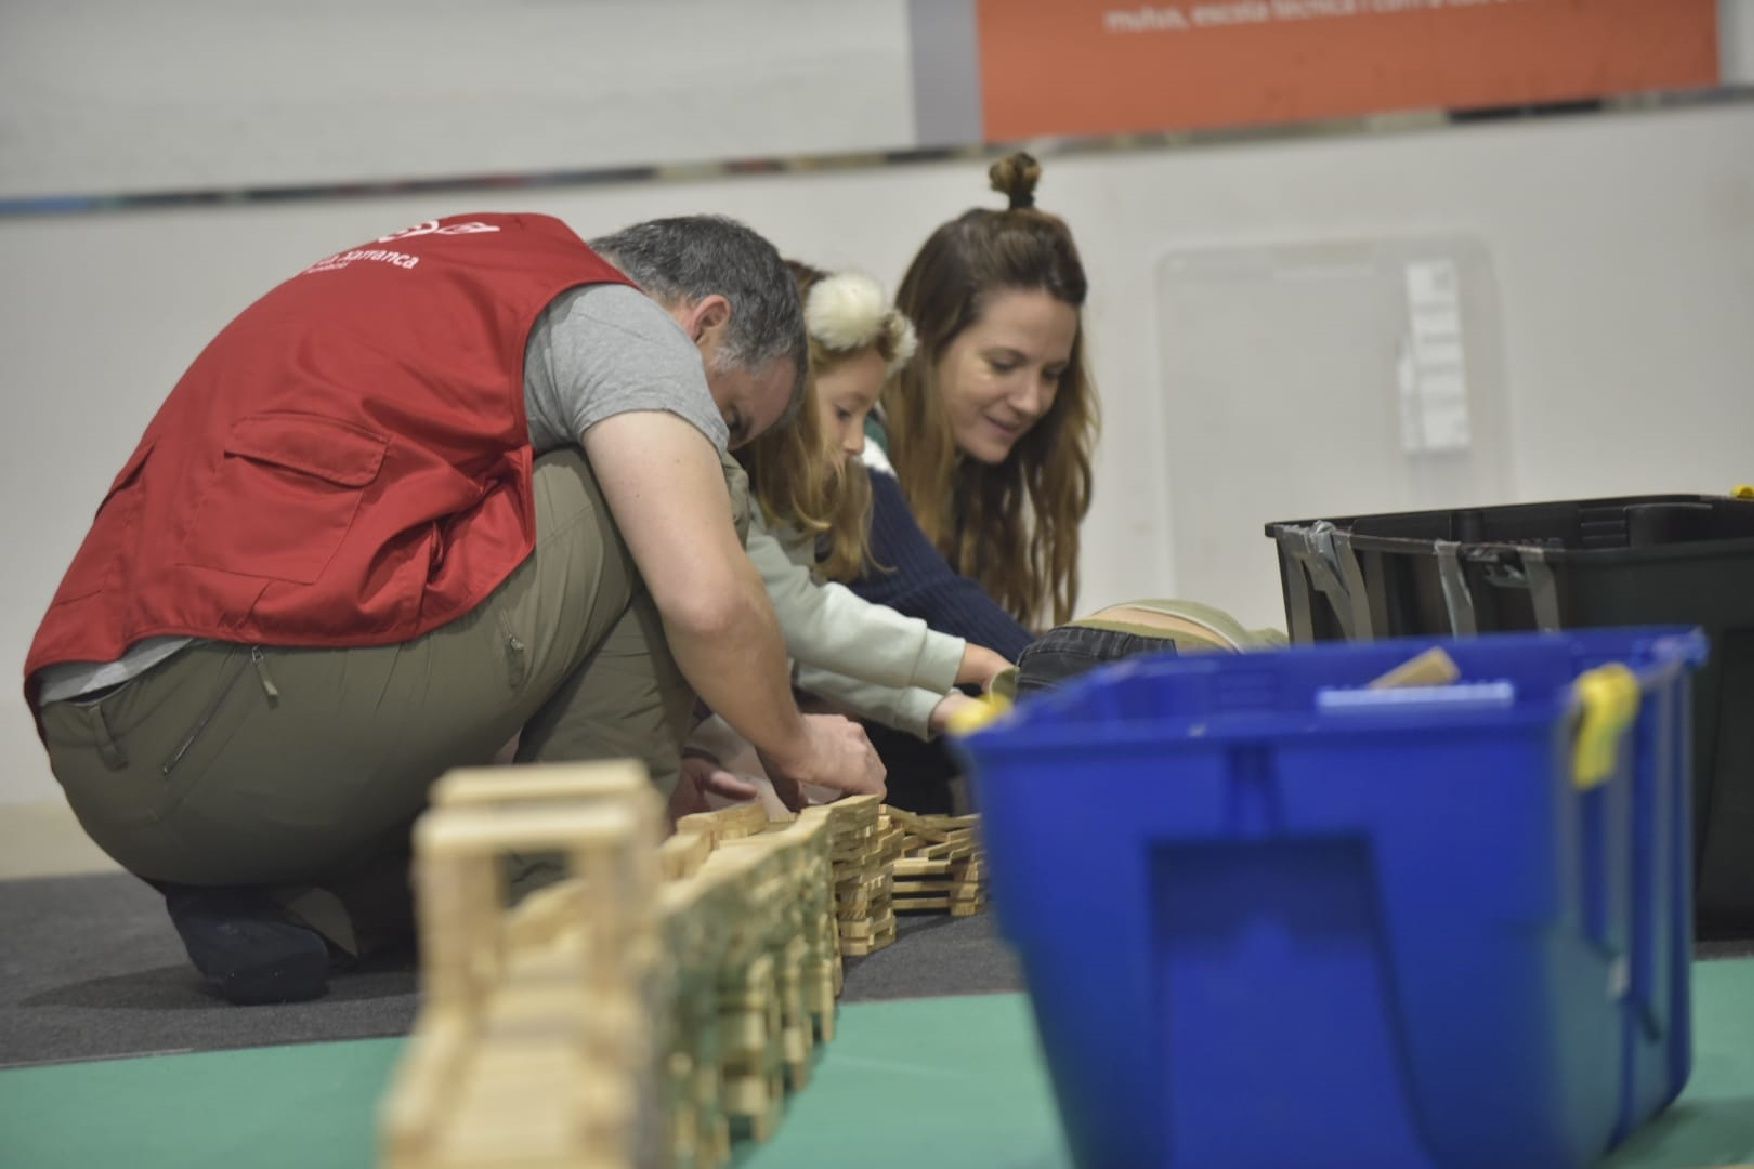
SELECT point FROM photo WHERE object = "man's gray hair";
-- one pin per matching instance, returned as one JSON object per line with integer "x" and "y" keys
{"x": 692, "y": 257}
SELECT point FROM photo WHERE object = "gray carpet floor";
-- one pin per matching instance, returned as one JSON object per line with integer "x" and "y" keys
{"x": 91, "y": 969}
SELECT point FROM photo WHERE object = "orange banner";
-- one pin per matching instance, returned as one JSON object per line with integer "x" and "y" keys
{"x": 1052, "y": 67}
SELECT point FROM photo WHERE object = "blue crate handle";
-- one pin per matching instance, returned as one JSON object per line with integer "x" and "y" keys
{"x": 1608, "y": 698}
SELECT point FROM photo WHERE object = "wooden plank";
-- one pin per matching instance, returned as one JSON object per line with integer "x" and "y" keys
{"x": 1434, "y": 667}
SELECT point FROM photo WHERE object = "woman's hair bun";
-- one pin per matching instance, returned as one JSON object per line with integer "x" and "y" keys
{"x": 1014, "y": 177}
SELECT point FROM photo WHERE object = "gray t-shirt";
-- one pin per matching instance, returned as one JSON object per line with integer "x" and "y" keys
{"x": 597, "y": 351}
{"x": 608, "y": 349}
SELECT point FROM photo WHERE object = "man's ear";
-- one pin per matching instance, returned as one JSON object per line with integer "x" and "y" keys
{"x": 707, "y": 315}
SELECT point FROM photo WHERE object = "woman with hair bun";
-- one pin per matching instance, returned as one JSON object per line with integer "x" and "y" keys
{"x": 981, "y": 454}
{"x": 991, "y": 426}
{"x": 989, "y": 433}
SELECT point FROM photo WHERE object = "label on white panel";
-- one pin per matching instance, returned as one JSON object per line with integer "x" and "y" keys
{"x": 1443, "y": 384}
{"x": 1433, "y": 325}
{"x": 1432, "y": 281}
{"x": 1434, "y": 354}
{"x": 1432, "y": 370}
{"x": 1444, "y": 422}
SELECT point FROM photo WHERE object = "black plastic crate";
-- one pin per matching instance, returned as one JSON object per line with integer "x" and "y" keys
{"x": 1644, "y": 560}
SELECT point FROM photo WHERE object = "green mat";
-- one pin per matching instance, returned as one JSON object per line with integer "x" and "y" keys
{"x": 920, "y": 1083}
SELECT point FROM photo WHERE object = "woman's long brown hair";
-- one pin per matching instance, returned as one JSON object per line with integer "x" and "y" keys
{"x": 798, "y": 475}
{"x": 1012, "y": 527}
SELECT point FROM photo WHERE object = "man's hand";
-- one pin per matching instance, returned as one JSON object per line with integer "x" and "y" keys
{"x": 710, "y": 778}
{"x": 834, "y": 754}
{"x": 704, "y": 776}
{"x": 980, "y": 666}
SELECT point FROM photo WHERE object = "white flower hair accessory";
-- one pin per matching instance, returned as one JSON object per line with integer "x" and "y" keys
{"x": 847, "y": 312}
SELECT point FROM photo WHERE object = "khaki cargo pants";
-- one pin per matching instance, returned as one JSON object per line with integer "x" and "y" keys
{"x": 304, "y": 769}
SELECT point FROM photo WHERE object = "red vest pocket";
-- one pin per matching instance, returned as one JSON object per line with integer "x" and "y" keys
{"x": 129, "y": 473}
{"x": 99, "y": 558}
{"x": 284, "y": 496}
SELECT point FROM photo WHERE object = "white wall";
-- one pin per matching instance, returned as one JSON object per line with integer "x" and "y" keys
{"x": 115, "y": 95}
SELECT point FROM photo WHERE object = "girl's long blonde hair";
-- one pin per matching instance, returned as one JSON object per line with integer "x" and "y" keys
{"x": 797, "y": 473}
{"x": 1013, "y": 527}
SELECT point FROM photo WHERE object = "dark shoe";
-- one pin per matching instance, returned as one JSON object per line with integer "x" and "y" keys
{"x": 247, "y": 948}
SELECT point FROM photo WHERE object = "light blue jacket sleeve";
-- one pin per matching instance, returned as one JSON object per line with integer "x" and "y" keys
{"x": 865, "y": 657}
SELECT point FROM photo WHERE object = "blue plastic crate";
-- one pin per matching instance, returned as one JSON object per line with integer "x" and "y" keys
{"x": 1268, "y": 918}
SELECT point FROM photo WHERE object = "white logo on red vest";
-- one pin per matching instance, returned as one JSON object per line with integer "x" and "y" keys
{"x": 434, "y": 227}
{"x": 399, "y": 259}
{"x": 376, "y": 255}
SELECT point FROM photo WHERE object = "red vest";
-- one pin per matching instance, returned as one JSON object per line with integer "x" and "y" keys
{"x": 347, "y": 463}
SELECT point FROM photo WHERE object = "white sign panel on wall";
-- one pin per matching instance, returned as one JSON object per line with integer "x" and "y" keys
{"x": 1318, "y": 380}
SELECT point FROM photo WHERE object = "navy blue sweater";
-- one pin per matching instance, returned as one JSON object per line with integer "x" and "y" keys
{"x": 916, "y": 580}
